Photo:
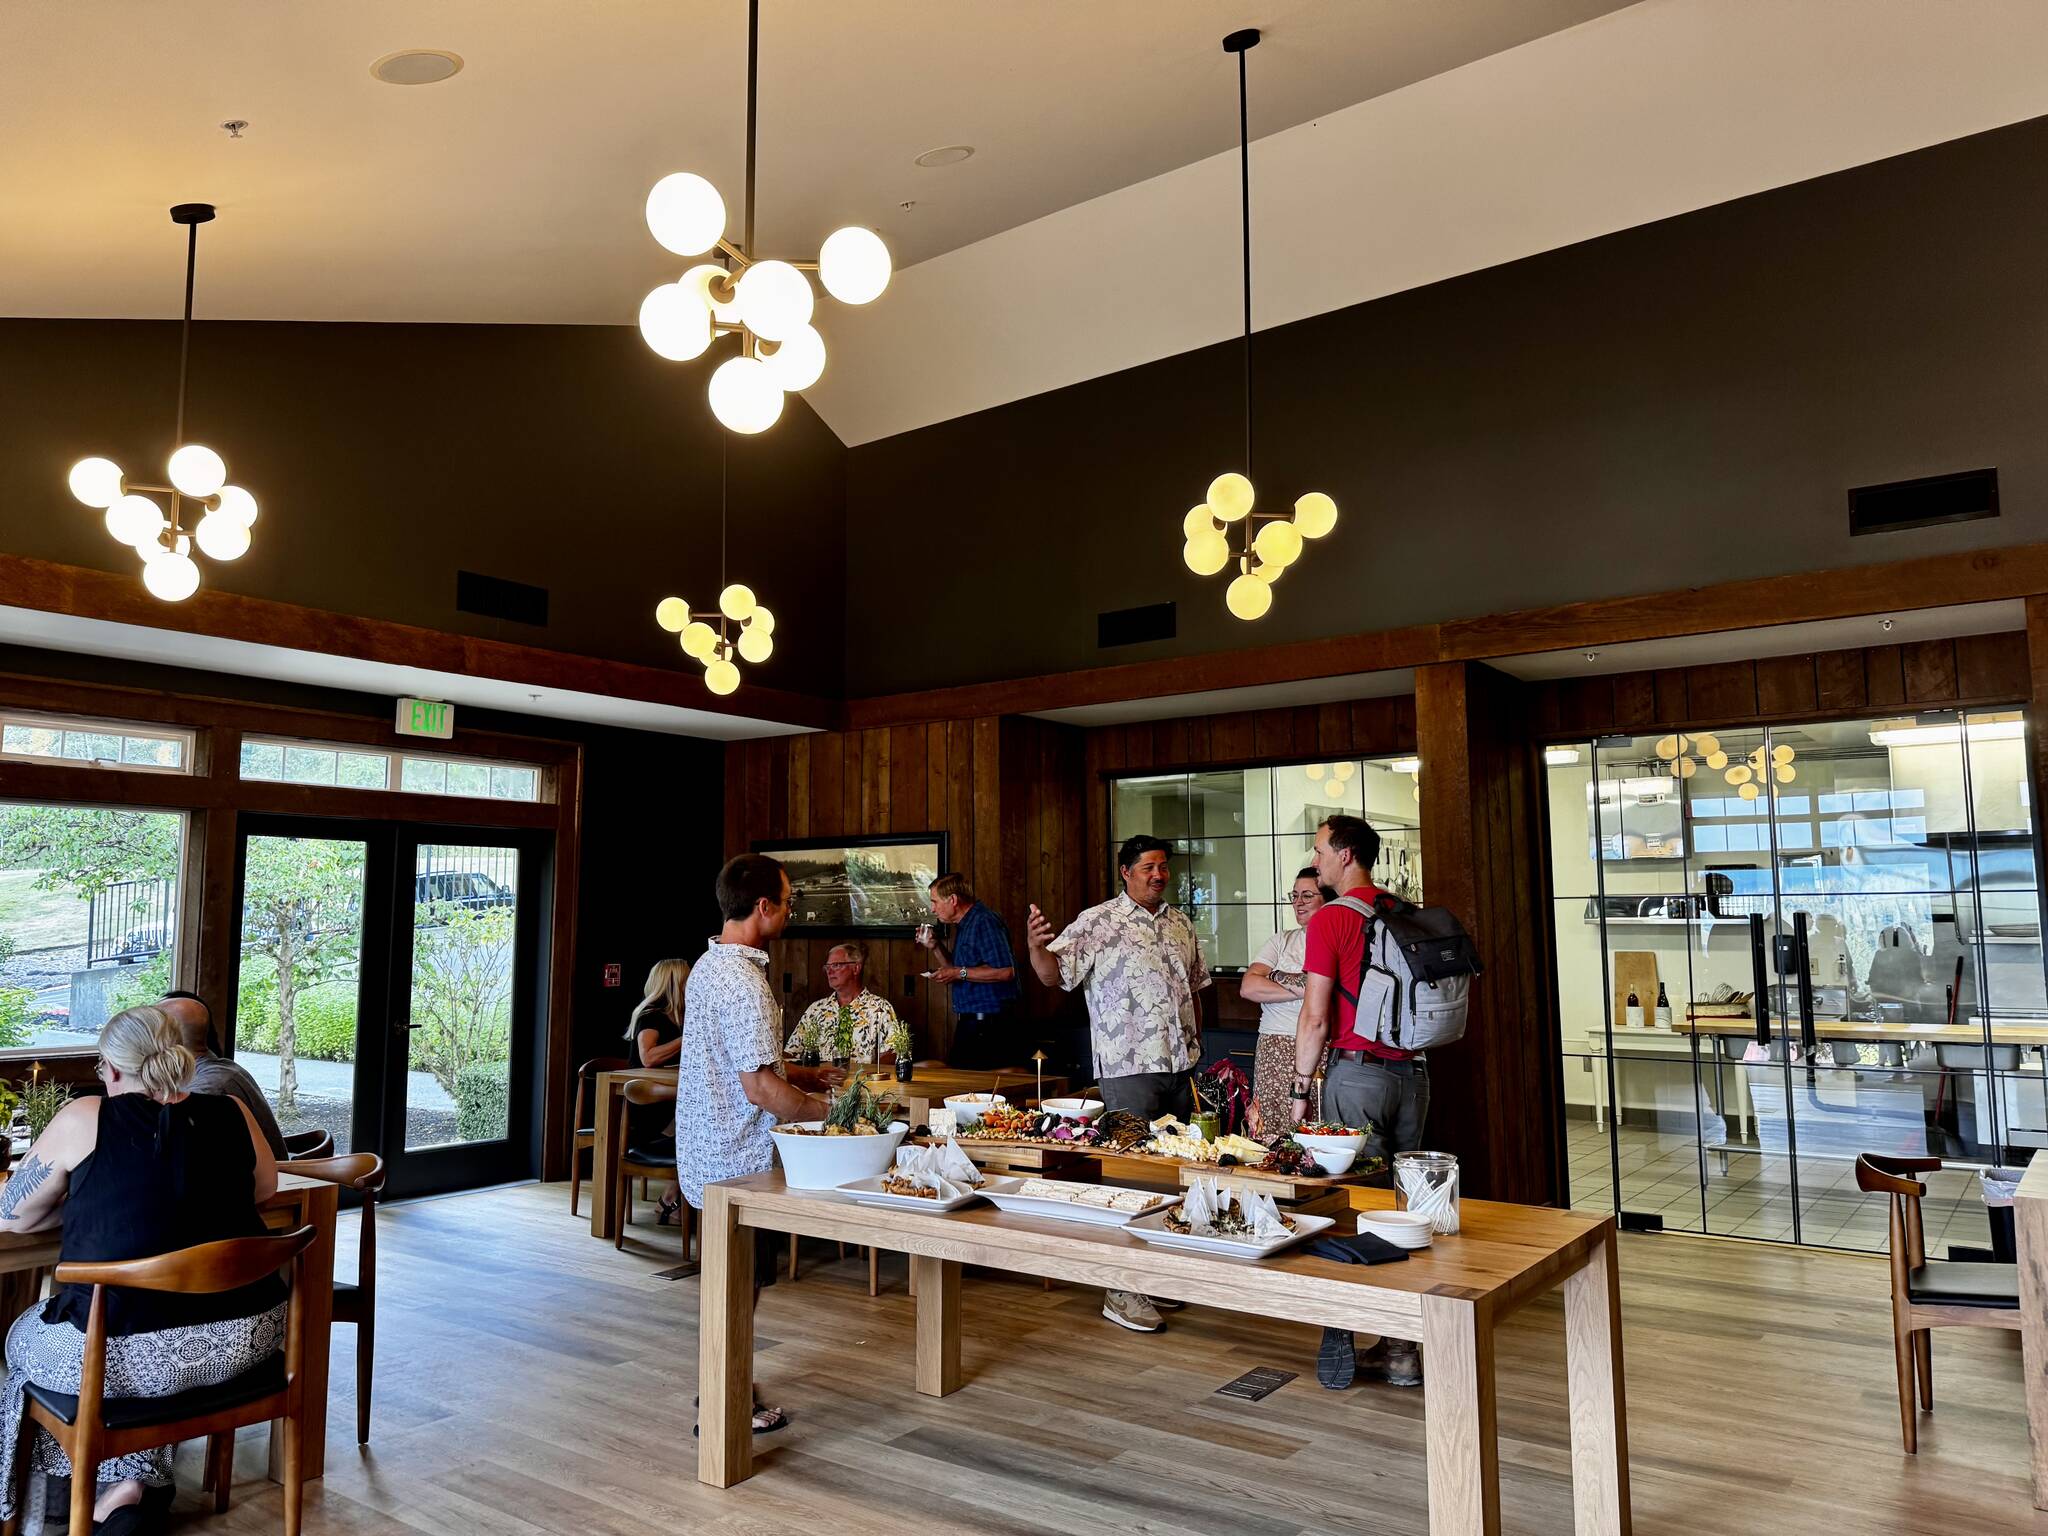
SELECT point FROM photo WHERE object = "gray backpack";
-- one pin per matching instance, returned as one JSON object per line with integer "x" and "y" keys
{"x": 1415, "y": 979}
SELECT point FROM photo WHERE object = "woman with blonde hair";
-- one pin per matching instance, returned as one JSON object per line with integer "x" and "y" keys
{"x": 149, "y": 1168}
{"x": 656, "y": 1030}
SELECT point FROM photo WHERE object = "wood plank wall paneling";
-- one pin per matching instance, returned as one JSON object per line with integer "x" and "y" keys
{"x": 1347, "y": 728}
{"x": 1494, "y": 1096}
{"x": 1006, "y": 793}
{"x": 1924, "y": 674}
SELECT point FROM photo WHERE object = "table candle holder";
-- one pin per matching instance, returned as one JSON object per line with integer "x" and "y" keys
{"x": 1427, "y": 1184}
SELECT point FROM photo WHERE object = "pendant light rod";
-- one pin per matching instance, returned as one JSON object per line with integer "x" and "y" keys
{"x": 191, "y": 215}
{"x": 1242, "y": 43}
{"x": 753, "y": 88}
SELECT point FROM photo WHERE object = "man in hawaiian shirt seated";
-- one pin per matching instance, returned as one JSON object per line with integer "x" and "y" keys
{"x": 850, "y": 1023}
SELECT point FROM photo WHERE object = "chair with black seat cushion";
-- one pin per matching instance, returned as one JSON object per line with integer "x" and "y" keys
{"x": 93, "y": 1428}
{"x": 306, "y": 1144}
{"x": 355, "y": 1301}
{"x": 1929, "y": 1293}
{"x": 583, "y": 1135}
{"x": 649, "y": 1162}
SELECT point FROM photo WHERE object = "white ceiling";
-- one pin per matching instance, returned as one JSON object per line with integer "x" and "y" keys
{"x": 134, "y": 642}
{"x": 1391, "y": 683}
{"x": 513, "y": 192}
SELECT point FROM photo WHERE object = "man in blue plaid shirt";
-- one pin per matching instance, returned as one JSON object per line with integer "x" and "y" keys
{"x": 979, "y": 966}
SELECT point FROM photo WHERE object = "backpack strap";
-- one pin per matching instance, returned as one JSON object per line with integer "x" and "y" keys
{"x": 1365, "y": 952}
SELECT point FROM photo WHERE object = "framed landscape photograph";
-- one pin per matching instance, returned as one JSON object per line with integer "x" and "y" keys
{"x": 860, "y": 885}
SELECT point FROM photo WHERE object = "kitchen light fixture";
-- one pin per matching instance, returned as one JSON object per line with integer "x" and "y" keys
{"x": 1560, "y": 757}
{"x": 767, "y": 304}
{"x": 197, "y": 474}
{"x": 1912, "y": 733}
{"x": 1685, "y": 755}
{"x": 1271, "y": 541}
{"x": 706, "y": 636}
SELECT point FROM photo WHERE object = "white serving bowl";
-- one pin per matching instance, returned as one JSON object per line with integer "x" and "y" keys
{"x": 1319, "y": 1145}
{"x": 1335, "y": 1161}
{"x": 968, "y": 1108}
{"x": 1072, "y": 1109}
{"x": 826, "y": 1162}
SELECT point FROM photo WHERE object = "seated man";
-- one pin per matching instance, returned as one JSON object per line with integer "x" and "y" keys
{"x": 850, "y": 1023}
{"x": 219, "y": 1074}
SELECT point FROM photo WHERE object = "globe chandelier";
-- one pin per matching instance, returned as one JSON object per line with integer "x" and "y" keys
{"x": 197, "y": 474}
{"x": 1683, "y": 756}
{"x": 768, "y": 305}
{"x": 1266, "y": 542}
{"x": 706, "y": 636}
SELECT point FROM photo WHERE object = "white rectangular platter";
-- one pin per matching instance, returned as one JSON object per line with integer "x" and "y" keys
{"x": 1003, "y": 1194}
{"x": 870, "y": 1192}
{"x": 1152, "y": 1228}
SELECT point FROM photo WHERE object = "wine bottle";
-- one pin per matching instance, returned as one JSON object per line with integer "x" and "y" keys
{"x": 1663, "y": 1007}
{"x": 1632, "y": 1017}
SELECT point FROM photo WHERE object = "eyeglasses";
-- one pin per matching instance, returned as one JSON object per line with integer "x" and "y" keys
{"x": 100, "y": 1069}
{"x": 841, "y": 965}
{"x": 1304, "y": 895}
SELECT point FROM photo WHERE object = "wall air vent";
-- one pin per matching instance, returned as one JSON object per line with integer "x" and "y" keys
{"x": 1134, "y": 626}
{"x": 496, "y": 598}
{"x": 1907, "y": 504}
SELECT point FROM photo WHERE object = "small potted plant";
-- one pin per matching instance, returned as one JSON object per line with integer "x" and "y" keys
{"x": 905, "y": 1048}
{"x": 843, "y": 1029}
{"x": 40, "y": 1102}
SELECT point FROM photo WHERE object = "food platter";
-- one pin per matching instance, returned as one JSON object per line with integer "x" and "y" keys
{"x": 1007, "y": 1195}
{"x": 871, "y": 1192}
{"x": 1153, "y": 1229}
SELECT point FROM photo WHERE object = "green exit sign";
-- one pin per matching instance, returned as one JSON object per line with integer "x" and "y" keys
{"x": 426, "y": 717}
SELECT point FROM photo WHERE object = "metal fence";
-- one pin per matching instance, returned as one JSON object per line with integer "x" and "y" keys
{"x": 130, "y": 921}
{"x": 466, "y": 876}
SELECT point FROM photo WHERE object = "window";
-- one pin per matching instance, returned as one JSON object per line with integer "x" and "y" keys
{"x": 1239, "y": 835}
{"x": 88, "y": 918}
{"x": 352, "y": 767}
{"x": 102, "y": 743}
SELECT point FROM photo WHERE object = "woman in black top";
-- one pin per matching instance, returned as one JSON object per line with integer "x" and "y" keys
{"x": 148, "y": 1169}
{"x": 656, "y": 1030}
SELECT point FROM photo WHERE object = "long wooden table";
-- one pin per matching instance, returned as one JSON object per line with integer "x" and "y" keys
{"x": 2030, "y": 1232}
{"x": 1451, "y": 1297}
{"x": 26, "y": 1259}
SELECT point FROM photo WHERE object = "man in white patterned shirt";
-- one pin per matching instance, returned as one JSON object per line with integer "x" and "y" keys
{"x": 1139, "y": 965}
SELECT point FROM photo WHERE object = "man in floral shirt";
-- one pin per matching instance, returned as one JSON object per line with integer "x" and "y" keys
{"x": 1138, "y": 964}
{"x": 871, "y": 1023}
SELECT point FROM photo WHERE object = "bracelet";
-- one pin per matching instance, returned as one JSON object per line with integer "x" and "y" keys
{"x": 1298, "y": 1098}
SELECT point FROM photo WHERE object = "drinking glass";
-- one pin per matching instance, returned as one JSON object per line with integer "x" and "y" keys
{"x": 1427, "y": 1184}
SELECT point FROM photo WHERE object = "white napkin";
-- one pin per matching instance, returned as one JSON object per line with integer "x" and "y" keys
{"x": 1206, "y": 1199}
{"x": 945, "y": 1170}
{"x": 1198, "y": 1207}
{"x": 1263, "y": 1215}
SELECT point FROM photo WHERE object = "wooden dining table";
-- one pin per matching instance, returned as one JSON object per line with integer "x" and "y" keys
{"x": 931, "y": 1082}
{"x": 26, "y": 1259}
{"x": 2030, "y": 1234}
{"x": 1452, "y": 1297}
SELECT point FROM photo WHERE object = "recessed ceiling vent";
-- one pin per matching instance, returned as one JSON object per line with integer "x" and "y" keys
{"x": 1904, "y": 504}
{"x": 417, "y": 66}
{"x": 1135, "y": 626}
{"x": 493, "y": 597}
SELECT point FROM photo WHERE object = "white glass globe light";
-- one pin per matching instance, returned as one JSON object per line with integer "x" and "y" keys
{"x": 736, "y": 602}
{"x": 854, "y": 265}
{"x": 135, "y": 520}
{"x": 699, "y": 280}
{"x": 1230, "y": 496}
{"x": 745, "y": 396}
{"x": 237, "y": 505}
{"x": 1314, "y": 515}
{"x": 172, "y": 577}
{"x": 775, "y": 299}
{"x": 1200, "y": 520}
{"x": 762, "y": 620}
{"x": 1278, "y": 544}
{"x": 672, "y": 613}
{"x": 798, "y": 361}
{"x": 676, "y": 322}
{"x": 698, "y": 639}
{"x": 721, "y": 676}
{"x": 221, "y": 538}
{"x": 198, "y": 471}
{"x": 685, "y": 213}
{"x": 1206, "y": 553}
{"x": 1314, "y": 771}
{"x": 1267, "y": 573}
{"x": 1249, "y": 597}
{"x": 755, "y": 645}
{"x": 96, "y": 482}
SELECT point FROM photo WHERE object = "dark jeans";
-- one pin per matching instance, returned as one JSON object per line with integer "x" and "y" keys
{"x": 978, "y": 1039}
{"x": 1391, "y": 1096}
{"x": 1150, "y": 1094}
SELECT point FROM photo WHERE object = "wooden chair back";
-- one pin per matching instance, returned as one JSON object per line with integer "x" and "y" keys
{"x": 313, "y": 1143}
{"x": 1877, "y": 1173}
{"x": 641, "y": 1090}
{"x": 586, "y": 1082}
{"x": 362, "y": 1172}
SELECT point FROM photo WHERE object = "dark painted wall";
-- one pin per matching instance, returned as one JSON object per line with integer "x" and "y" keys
{"x": 653, "y": 824}
{"x": 386, "y": 457}
{"x": 1678, "y": 404}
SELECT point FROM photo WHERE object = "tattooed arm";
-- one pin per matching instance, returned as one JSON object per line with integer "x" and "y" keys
{"x": 32, "y": 1198}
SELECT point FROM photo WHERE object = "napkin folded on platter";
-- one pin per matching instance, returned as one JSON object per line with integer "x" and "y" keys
{"x": 1206, "y": 1200}
{"x": 944, "y": 1170}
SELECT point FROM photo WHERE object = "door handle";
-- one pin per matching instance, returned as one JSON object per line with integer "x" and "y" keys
{"x": 1809, "y": 1039}
{"x": 1759, "y": 979}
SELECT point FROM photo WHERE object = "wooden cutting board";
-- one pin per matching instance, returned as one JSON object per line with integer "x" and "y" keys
{"x": 1635, "y": 969}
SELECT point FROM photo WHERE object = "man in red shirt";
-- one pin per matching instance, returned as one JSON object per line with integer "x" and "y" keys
{"x": 1368, "y": 1084}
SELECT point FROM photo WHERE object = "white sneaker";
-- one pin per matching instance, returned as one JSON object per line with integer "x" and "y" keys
{"x": 1127, "y": 1309}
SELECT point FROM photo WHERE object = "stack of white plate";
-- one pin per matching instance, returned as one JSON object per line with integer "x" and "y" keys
{"x": 1404, "y": 1229}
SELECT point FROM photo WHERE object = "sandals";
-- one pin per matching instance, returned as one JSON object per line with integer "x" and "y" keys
{"x": 766, "y": 1420}
{"x": 671, "y": 1206}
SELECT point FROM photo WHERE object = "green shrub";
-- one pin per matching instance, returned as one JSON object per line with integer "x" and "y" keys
{"x": 483, "y": 1100}
{"x": 326, "y": 1023}
{"x": 143, "y": 983}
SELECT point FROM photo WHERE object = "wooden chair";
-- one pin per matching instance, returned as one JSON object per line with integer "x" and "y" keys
{"x": 1929, "y": 1293}
{"x": 93, "y": 1428}
{"x": 309, "y": 1144}
{"x": 355, "y": 1301}
{"x": 583, "y": 1136}
{"x": 634, "y": 1165}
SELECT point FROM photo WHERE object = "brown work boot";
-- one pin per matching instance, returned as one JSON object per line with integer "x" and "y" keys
{"x": 1396, "y": 1361}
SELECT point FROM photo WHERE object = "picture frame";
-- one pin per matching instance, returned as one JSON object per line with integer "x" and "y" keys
{"x": 874, "y": 886}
